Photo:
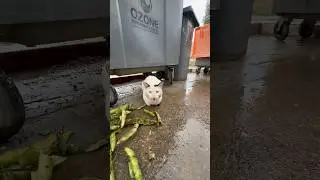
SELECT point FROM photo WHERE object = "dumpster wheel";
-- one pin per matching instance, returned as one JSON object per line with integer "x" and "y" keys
{"x": 198, "y": 70}
{"x": 205, "y": 70}
{"x": 12, "y": 111}
{"x": 113, "y": 96}
{"x": 161, "y": 75}
{"x": 306, "y": 28}
{"x": 281, "y": 29}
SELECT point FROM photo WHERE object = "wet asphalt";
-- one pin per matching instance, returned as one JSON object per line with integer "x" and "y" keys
{"x": 266, "y": 112}
{"x": 182, "y": 143}
{"x": 70, "y": 96}
{"x": 266, "y": 118}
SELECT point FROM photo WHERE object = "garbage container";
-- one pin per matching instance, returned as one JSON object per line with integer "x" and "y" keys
{"x": 232, "y": 26}
{"x": 201, "y": 48}
{"x": 144, "y": 35}
{"x": 189, "y": 22}
{"x": 308, "y": 10}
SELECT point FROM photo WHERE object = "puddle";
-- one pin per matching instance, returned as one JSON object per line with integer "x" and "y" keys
{"x": 192, "y": 151}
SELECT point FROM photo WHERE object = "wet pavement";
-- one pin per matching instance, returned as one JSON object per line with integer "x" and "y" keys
{"x": 182, "y": 143}
{"x": 266, "y": 114}
{"x": 68, "y": 96}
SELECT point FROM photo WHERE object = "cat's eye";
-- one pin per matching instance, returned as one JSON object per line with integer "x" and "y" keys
{"x": 157, "y": 92}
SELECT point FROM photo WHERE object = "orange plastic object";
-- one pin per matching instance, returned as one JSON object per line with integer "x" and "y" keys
{"x": 201, "y": 42}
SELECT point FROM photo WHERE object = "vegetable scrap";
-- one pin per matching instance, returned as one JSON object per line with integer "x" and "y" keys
{"x": 134, "y": 168}
{"x": 130, "y": 133}
{"x": 37, "y": 161}
{"x": 124, "y": 116}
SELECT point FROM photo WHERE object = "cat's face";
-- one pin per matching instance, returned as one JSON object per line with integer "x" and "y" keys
{"x": 154, "y": 94}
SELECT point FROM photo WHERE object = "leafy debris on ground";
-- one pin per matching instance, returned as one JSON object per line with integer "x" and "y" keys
{"x": 37, "y": 161}
{"x": 124, "y": 116}
{"x": 134, "y": 168}
{"x": 96, "y": 146}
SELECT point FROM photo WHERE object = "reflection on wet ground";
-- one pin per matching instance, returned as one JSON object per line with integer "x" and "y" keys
{"x": 267, "y": 112}
{"x": 182, "y": 144}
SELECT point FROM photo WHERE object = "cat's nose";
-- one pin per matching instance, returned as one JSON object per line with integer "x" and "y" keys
{"x": 154, "y": 99}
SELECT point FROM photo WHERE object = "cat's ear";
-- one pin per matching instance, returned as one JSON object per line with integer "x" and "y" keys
{"x": 160, "y": 84}
{"x": 146, "y": 85}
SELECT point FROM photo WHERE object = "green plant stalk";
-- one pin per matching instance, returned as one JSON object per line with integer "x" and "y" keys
{"x": 112, "y": 141}
{"x": 114, "y": 127}
{"x": 112, "y": 174}
{"x": 45, "y": 168}
{"x": 141, "y": 121}
{"x": 141, "y": 107}
{"x": 129, "y": 134}
{"x": 123, "y": 118}
{"x": 149, "y": 113}
{"x": 130, "y": 170}
{"x": 134, "y": 163}
{"x": 158, "y": 118}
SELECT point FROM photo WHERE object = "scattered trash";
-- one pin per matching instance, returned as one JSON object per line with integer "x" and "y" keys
{"x": 57, "y": 160}
{"x": 158, "y": 118}
{"x": 114, "y": 127}
{"x": 48, "y": 146}
{"x": 130, "y": 133}
{"x": 112, "y": 141}
{"x": 134, "y": 168}
{"x": 112, "y": 175}
{"x": 96, "y": 146}
{"x": 140, "y": 121}
{"x": 123, "y": 117}
{"x": 152, "y": 156}
{"x": 141, "y": 107}
{"x": 45, "y": 168}
{"x": 119, "y": 120}
{"x": 37, "y": 161}
{"x": 149, "y": 113}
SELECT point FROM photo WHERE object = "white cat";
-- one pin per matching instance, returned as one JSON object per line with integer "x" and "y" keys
{"x": 152, "y": 91}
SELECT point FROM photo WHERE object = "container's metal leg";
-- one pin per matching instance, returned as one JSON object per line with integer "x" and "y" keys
{"x": 205, "y": 70}
{"x": 169, "y": 74}
{"x": 198, "y": 70}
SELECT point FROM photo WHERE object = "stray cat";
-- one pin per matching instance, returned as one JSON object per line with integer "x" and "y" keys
{"x": 152, "y": 91}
